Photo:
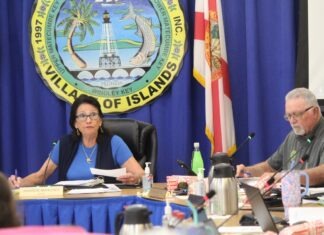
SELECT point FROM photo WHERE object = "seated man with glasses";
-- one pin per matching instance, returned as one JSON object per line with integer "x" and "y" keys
{"x": 307, "y": 137}
{"x": 87, "y": 146}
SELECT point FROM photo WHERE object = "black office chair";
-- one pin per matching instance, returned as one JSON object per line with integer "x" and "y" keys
{"x": 140, "y": 137}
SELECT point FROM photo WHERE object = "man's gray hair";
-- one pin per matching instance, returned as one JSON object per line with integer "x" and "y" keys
{"x": 303, "y": 93}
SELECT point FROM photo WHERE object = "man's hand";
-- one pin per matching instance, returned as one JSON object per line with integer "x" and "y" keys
{"x": 241, "y": 171}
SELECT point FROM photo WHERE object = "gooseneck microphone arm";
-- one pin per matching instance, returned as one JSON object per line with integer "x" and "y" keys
{"x": 250, "y": 137}
{"x": 273, "y": 182}
{"x": 183, "y": 165}
{"x": 272, "y": 179}
{"x": 190, "y": 172}
{"x": 48, "y": 160}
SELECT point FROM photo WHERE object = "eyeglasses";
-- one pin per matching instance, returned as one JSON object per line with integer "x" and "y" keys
{"x": 296, "y": 115}
{"x": 83, "y": 117}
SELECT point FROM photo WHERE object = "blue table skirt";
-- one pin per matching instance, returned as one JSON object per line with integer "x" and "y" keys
{"x": 94, "y": 214}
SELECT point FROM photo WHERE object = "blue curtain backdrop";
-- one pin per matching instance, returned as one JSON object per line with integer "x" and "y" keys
{"x": 261, "y": 46}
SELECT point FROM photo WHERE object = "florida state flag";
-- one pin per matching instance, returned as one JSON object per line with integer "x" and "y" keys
{"x": 211, "y": 71}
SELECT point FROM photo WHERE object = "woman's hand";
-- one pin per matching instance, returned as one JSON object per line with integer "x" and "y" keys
{"x": 14, "y": 181}
{"x": 129, "y": 178}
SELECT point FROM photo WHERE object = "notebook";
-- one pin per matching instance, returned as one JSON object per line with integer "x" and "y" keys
{"x": 259, "y": 208}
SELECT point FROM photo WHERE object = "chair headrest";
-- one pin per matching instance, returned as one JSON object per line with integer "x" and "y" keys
{"x": 128, "y": 130}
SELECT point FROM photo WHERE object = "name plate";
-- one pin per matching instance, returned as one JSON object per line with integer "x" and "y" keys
{"x": 157, "y": 193}
{"x": 41, "y": 191}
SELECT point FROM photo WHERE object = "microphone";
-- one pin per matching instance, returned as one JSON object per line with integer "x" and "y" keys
{"x": 199, "y": 201}
{"x": 300, "y": 161}
{"x": 272, "y": 179}
{"x": 250, "y": 137}
{"x": 196, "y": 203}
{"x": 48, "y": 160}
{"x": 183, "y": 165}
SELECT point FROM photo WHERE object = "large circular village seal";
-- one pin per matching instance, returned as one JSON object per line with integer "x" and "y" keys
{"x": 123, "y": 52}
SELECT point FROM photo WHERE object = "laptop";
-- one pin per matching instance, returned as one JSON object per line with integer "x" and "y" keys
{"x": 259, "y": 208}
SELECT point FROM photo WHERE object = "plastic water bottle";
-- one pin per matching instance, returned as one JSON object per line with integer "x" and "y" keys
{"x": 197, "y": 160}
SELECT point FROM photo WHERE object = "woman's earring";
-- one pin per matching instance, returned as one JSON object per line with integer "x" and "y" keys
{"x": 101, "y": 130}
{"x": 77, "y": 132}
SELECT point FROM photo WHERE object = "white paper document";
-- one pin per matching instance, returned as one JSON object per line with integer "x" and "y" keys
{"x": 109, "y": 173}
{"x": 313, "y": 190}
{"x": 76, "y": 182}
{"x": 110, "y": 188}
{"x": 297, "y": 214}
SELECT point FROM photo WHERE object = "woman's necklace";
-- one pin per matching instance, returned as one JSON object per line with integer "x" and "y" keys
{"x": 88, "y": 157}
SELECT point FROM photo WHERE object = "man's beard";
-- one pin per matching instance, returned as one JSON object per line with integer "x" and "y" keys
{"x": 298, "y": 130}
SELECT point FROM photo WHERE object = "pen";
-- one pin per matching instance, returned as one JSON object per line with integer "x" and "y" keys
{"x": 245, "y": 173}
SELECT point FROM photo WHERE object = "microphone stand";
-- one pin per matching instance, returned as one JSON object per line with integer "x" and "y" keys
{"x": 41, "y": 191}
{"x": 269, "y": 186}
{"x": 48, "y": 160}
{"x": 250, "y": 137}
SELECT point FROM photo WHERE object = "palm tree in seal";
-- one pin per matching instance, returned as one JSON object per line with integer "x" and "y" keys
{"x": 80, "y": 18}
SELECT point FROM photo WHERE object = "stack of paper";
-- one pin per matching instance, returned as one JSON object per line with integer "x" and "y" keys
{"x": 110, "y": 173}
{"x": 110, "y": 188}
{"x": 79, "y": 184}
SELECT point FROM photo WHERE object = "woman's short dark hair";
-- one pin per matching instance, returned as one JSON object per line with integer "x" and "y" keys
{"x": 8, "y": 213}
{"x": 83, "y": 99}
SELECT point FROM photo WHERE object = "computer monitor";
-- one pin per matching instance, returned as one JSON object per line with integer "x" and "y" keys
{"x": 259, "y": 208}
